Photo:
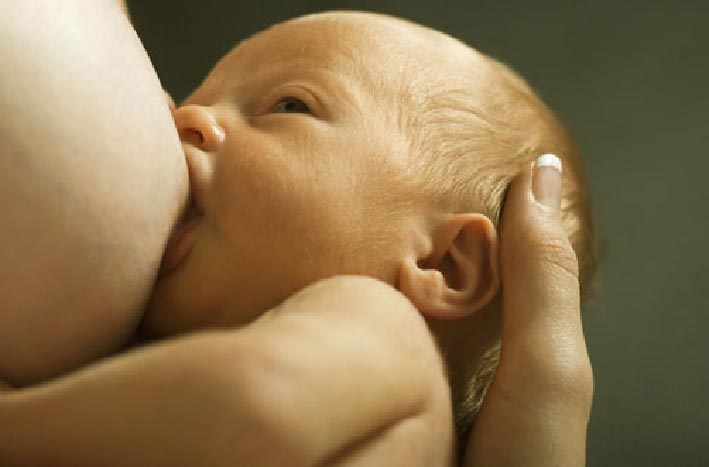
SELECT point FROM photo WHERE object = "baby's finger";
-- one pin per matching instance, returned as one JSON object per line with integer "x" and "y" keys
{"x": 541, "y": 324}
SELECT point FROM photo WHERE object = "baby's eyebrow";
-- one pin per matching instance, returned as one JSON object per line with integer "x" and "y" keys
{"x": 338, "y": 85}
{"x": 335, "y": 85}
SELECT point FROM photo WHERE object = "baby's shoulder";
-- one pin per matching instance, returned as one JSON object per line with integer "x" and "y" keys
{"x": 361, "y": 302}
{"x": 377, "y": 336}
{"x": 372, "y": 319}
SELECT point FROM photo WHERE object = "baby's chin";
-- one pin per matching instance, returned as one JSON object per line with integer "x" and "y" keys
{"x": 167, "y": 312}
{"x": 174, "y": 308}
{"x": 179, "y": 245}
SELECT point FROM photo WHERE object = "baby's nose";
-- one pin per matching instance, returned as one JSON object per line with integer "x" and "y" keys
{"x": 198, "y": 126}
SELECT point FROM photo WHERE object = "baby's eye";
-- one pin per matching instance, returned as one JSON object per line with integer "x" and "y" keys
{"x": 290, "y": 105}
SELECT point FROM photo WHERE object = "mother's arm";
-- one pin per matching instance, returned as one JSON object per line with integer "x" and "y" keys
{"x": 343, "y": 363}
{"x": 92, "y": 177}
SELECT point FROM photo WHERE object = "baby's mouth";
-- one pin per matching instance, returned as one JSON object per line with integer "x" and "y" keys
{"x": 190, "y": 212}
{"x": 181, "y": 240}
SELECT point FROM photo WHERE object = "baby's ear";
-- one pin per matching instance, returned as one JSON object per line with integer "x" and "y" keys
{"x": 461, "y": 275}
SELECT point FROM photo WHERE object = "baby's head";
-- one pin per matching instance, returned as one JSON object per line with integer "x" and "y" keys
{"x": 355, "y": 143}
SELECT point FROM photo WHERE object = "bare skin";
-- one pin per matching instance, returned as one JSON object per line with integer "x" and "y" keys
{"x": 535, "y": 413}
{"x": 224, "y": 398}
{"x": 85, "y": 139}
{"x": 246, "y": 383}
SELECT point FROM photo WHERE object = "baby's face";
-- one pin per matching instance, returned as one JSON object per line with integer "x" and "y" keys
{"x": 291, "y": 148}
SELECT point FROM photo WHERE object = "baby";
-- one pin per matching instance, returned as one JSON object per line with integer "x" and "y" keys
{"x": 349, "y": 144}
{"x": 353, "y": 143}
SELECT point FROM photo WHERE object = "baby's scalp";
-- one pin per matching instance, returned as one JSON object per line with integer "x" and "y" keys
{"x": 471, "y": 124}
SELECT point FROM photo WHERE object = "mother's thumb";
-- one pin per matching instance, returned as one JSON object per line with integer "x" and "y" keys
{"x": 539, "y": 266}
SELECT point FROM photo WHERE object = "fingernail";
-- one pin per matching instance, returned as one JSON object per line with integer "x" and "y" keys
{"x": 546, "y": 181}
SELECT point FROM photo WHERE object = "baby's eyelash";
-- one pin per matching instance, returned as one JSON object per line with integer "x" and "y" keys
{"x": 290, "y": 105}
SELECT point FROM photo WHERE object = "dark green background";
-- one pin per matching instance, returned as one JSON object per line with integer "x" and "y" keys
{"x": 630, "y": 79}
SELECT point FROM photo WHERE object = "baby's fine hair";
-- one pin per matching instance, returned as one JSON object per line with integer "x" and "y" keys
{"x": 472, "y": 125}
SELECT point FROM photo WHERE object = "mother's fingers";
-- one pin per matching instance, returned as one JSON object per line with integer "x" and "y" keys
{"x": 536, "y": 410}
{"x": 541, "y": 327}
{"x": 538, "y": 263}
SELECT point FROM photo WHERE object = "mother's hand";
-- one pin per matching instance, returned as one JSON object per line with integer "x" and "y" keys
{"x": 537, "y": 408}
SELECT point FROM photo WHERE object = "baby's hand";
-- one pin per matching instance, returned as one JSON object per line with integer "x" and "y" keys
{"x": 537, "y": 409}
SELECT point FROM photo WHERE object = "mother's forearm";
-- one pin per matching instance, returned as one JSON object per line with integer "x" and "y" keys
{"x": 92, "y": 177}
{"x": 242, "y": 397}
{"x": 174, "y": 404}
